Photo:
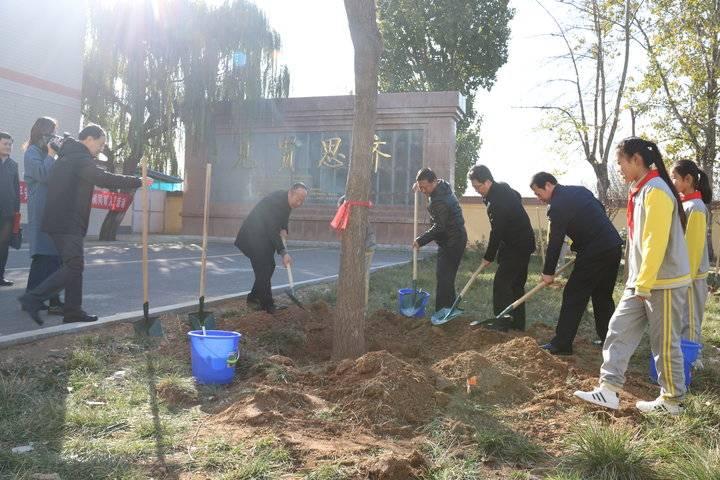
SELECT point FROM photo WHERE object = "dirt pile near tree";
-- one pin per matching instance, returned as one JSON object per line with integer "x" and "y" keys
{"x": 384, "y": 392}
{"x": 489, "y": 383}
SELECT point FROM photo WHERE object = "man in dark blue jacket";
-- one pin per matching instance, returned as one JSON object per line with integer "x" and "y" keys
{"x": 512, "y": 240}
{"x": 447, "y": 230}
{"x": 575, "y": 212}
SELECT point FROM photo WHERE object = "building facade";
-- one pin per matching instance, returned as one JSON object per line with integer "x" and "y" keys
{"x": 308, "y": 140}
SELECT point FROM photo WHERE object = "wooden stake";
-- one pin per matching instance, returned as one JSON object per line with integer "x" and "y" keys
{"x": 206, "y": 210}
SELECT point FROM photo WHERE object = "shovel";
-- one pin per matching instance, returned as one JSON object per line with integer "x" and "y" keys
{"x": 444, "y": 315}
{"x": 503, "y": 319}
{"x": 202, "y": 319}
{"x": 148, "y": 326}
{"x": 416, "y": 302}
{"x": 290, "y": 291}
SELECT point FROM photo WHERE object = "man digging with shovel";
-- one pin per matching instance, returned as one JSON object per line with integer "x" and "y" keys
{"x": 447, "y": 230}
{"x": 262, "y": 235}
{"x": 575, "y": 212}
{"x": 512, "y": 241}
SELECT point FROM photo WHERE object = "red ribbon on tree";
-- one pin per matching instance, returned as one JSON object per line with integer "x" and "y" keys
{"x": 342, "y": 217}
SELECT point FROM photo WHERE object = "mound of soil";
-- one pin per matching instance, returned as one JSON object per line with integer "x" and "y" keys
{"x": 492, "y": 384}
{"x": 268, "y": 404}
{"x": 524, "y": 358}
{"x": 397, "y": 468}
{"x": 384, "y": 392}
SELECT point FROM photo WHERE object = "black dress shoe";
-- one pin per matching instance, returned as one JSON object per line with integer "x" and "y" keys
{"x": 550, "y": 348}
{"x": 32, "y": 309}
{"x": 6, "y": 283}
{"x": 56, "y": 310}
{"x": 80, "y": 318}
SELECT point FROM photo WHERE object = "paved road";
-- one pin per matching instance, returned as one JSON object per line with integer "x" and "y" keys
{"x": 113, "y": 276}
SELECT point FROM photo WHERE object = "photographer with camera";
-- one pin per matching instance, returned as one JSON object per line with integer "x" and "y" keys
{"x": 39, "y": 159}
{"x": 72, "y": 180}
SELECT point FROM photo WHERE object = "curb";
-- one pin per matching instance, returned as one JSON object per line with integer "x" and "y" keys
{"x": 136, "y": 315}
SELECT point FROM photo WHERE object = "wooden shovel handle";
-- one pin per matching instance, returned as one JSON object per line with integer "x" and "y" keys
{"x": 289, "y": 268}
{"x": 415, "y": 232}
{"x": 539, "y": 286}
{"x": 145, "y": 228}
{"x": 472, "y": 279}
{"x": 206, "y": 209}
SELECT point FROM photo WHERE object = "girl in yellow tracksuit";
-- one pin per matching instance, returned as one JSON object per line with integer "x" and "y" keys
{"x": 694, "y": 188}
{"x": 658, "y": 279}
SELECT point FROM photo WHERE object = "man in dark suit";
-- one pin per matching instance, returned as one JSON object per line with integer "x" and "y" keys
{"x": 261, "y": 237}
{"x": 512, "y": 241}
{"x": 574, "y": 211}
{"x": 73, "y": 178}
{"x": 9, "y": 201}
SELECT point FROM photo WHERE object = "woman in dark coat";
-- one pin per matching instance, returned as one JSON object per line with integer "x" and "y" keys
{"x": 39, "y": 158}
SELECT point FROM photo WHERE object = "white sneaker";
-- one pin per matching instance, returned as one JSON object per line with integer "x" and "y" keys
{"x": 600, "y": 396}
{"x": 660, "y": 405}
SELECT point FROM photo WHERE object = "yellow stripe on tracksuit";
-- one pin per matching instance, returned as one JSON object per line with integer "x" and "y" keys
{"x": 667, "y": 342}
{"x": 691, "y": 311}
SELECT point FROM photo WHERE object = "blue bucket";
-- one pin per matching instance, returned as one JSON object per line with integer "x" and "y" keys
{"x": 214, "y": 355}
{"x": 405, "y": 301}
{"x": 690, "y": 351}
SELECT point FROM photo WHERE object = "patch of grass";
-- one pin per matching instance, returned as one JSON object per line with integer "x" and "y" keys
{"x": 690, "y": 462}
{"x": 319, "y": 293}
{"x": 86, "y": 360}
{"x": 600, "y": 452}
{"x": 508, "y": 446}
{"x": 230, "y": 314}
{"x": 265, "y": 459}
{"x": 331, "y": 472}
{"x": 278, "y": 374}
{"x": 282, "y": 341}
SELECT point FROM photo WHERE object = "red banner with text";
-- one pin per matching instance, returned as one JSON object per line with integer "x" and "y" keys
{"x": 102, "y": 199}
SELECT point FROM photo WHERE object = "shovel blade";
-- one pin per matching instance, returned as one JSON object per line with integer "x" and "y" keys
{"x": 444, "y": 315}
{"x": 149, "y": 327}
{"x": 501, "y": 324}
{"x": 294, "y": 299}
{"x": 196, "y": 321}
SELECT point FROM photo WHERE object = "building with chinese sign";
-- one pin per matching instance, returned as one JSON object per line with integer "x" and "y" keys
{"x": 308, "y": 140}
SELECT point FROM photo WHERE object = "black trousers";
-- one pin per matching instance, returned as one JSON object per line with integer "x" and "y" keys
{"x": 6, "y": 224}
{"x": 41, "y": 267}
{"x": 592, "y": 277}
{"x": 68, "y": 277}
{"x": 263, "y": 265}
{"x": 448, "y": 262}
{"x": 509, "y": 284}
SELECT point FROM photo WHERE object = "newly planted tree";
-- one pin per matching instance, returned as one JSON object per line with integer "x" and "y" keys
{"x": 349, "y": 328}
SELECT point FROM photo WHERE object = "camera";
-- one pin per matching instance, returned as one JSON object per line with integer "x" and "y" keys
{"x": 57, "y": 141}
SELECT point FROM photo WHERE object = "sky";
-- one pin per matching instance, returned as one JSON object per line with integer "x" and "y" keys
{"x": 319, "y": 54}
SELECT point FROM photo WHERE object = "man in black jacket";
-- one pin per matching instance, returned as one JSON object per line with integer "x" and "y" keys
{"x": 261, "y": 236}
{"x": 447, "y": 230}
{"x": 9, "y": 201}
{"x": 512, "y": 240}
{"x": 575, "y": 212}
{"x": 72, "y": 180}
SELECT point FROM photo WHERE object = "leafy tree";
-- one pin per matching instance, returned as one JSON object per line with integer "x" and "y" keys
{"x": 435, "y": 45}
{"x": 597, "y": 40}
{"x": 682, "y": 40}
{"x": 154, "y": 67}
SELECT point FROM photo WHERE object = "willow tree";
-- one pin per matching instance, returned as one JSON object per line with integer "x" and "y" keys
{"x": 154, "y": 70}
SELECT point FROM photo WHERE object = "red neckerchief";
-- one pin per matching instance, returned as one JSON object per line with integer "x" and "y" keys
{"x": 631, "y": 195}
{"x": 692, "y": 196}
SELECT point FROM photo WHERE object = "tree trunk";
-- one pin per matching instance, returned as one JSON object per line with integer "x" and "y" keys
{"x": 349, "y": 328}
{"x": 603, "y": 183}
